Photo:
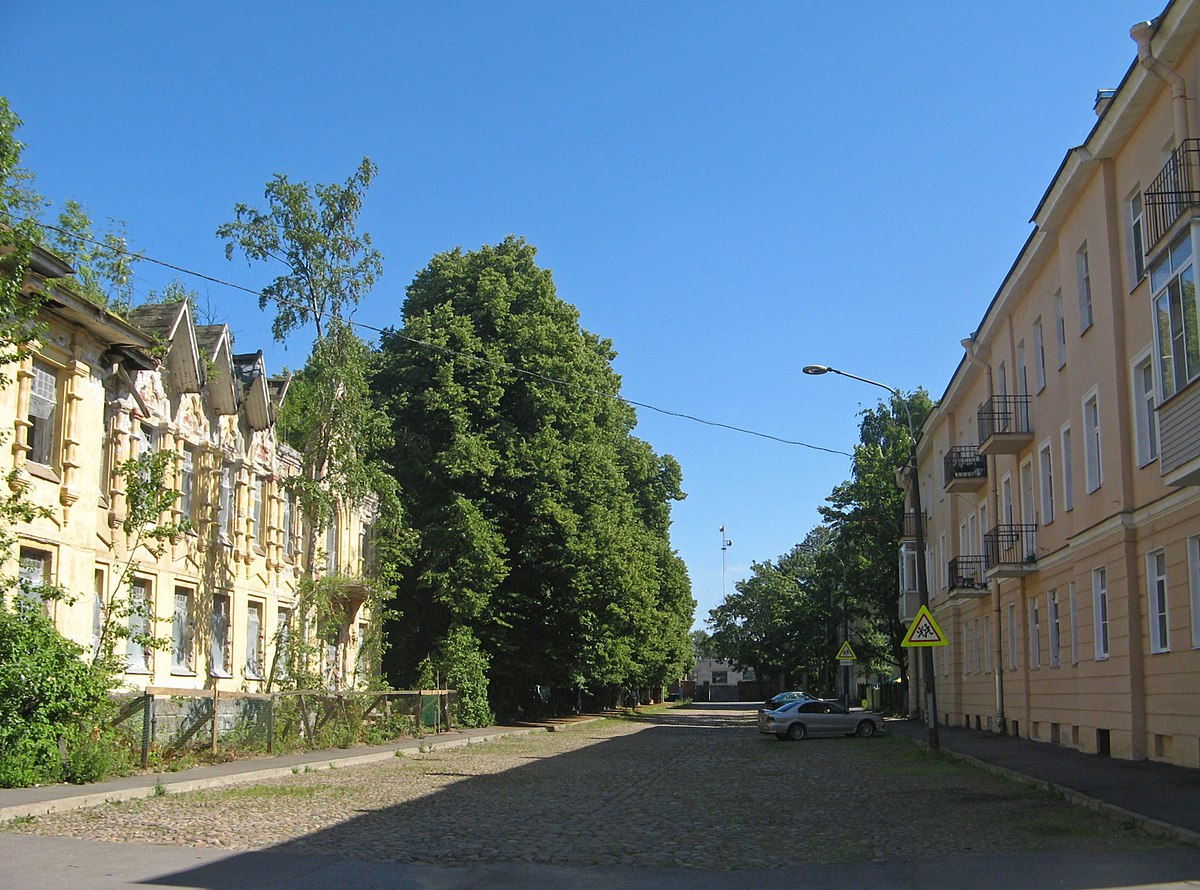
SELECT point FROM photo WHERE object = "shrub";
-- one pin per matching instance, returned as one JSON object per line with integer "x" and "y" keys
{"x": 462, "y": 665}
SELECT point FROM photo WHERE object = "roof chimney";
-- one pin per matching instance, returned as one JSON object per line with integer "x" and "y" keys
{"x": 1103, "y": 98}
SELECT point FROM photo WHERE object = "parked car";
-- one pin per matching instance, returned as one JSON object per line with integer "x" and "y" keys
{"x": 814, "y": 717}
{"x": 784, "y": 697}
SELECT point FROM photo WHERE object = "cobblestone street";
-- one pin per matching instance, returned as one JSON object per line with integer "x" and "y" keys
{"x": 697, "y": 788}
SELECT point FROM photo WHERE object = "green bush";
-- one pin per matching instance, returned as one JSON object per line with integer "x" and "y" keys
{"x": 48, "y": 696}
{"x": 462, "y": 665}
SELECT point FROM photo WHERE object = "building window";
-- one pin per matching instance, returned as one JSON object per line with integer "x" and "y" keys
{"x": 254, "y": 641}
{"x": 220, "y": 660}
{"x": 289, "y": 524}
{"x": 331, "y": 546}
{"x": 1046, "y": 469}
{"x": 187, "y": 482}
{"x": 1145, "y": 420}
{"x": 1156, "y": 581}
{"x": 1137, "y": 247}
{"x": 43, "y": 412}
{"x": 283, "y": 637}
{"x": 943, "y": 565}
{"x": 182, "y": 632}
{"x": 1091, "y": 442}
{"x": 1012, "y": 636}
{"x": 141, "y": 608}
{"x": 987, "y": 643}
{"x": 1193, "y": 551}
{"x": 34, "y": 574}
{"x": 98, "y": 589}
{"x": 1100, "y": 611}
{"x": 1052, "y": 619}
{"x": 1067, "y": 481}
{"x": 720, "y": 678}
{"x": 1060, "y": 330}
{"x": 1035, "y": 634}
{"x": 1073, "y": 608}
{"x": 1039, "y": 355}
{"x": 1022, "y": 371}
{"x": 227, "y": 510}
{"x": 1083, "y": 278}
{"x": 1172, "y": 280}
{"x": 257, "y": 484}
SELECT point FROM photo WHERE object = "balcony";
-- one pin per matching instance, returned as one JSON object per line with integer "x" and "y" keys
{"x": 968, "y": 575}
{"x": 910, "y": 601}
{"x": 1004, "y": 425}
{"x": 1011, "y": 551}
{"x": 1172, "y": 193}
{"x": 1178, "y": 421}
{"x": 965, "y": 469}
{"x": 909, "y": 532}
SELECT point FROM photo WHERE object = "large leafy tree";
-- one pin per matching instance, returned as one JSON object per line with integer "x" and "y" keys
{"x": 328, "y": 265}
{"x": 542, "y": 521}
{"x": 866, "y": 515}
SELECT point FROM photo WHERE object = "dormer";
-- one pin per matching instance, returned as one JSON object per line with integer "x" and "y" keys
{"x": 214, "y": 343}
{"x": 172, "y": 324}
{"x": 256, "y": 397}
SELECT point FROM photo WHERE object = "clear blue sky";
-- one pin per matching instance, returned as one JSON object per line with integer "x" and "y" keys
{"x": 726, "y": 191}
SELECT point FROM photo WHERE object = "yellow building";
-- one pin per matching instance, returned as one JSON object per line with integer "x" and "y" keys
{"x": 1060, "y": 469}
{"x": 100, "y": 389}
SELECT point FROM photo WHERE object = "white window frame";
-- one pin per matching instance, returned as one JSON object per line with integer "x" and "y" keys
{"x": 221, "y": 643}
{"x": 1157, "y": 602}
{"x": 1100, "y": 612}
{"x": 1022, "y": 370}
{"x": 987, "y": 644}
{"x": 1068, "y": 482}
{"x": 227, "y": 503}
{"x": 258, "y": 486}
{"x": 1135, "y": 237}
{"x": 44, "y": 414}
{"x": 1060, "y": 330}
{"x": 1046, "y": 481}
{"x": 1053, "y": 625}
{"x": 1012, "y": 636}
{"x": 255, "y": 646}
{"x": 99, "y": 588}
{"x": 1073, "y": 606}
{"x": 1145, "y": 401}
{"x": 1093, "y": 455}
{"x": 138, "y": 657}
{"x": 1174, "y": 370}
{"x": 1083, "y": 280}
{"x": 1035, "y": 634}
{"x": 1039, "y": 354}
{"x": 187, "y": 481}
{"x": 183, "y": 625}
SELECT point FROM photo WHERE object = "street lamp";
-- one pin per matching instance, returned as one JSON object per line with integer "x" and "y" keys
{"x": 919, "y": 522}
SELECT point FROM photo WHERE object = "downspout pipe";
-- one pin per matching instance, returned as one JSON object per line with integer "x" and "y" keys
{"x": 1142, "y": 33}
{"x": 1001, "y": 722}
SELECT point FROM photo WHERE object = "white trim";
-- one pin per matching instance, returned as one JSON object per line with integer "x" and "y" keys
{"x": 1066, "y": 450}
{"x": 1158, "y": 604}
{"x": 1145, "y": 423}
{"x": 1092, "y": 439}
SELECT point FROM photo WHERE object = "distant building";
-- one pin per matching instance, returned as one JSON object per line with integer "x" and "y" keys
{"x": 717, "y": 680}
{"x": 1060, "y": 470}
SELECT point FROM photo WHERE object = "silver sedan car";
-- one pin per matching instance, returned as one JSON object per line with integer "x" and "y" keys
{"x": 801, "y": 719}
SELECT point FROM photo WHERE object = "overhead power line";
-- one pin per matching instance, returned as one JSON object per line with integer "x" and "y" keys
{"x": 445, "y": 349}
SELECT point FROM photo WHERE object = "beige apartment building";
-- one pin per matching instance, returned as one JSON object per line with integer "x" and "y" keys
{"x": 99, "y": 389}
{"x": 1060, "y": 471}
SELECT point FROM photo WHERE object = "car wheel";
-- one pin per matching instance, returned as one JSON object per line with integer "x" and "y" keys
{"x": 796, "y": 732}
{"x": 866, "y": 729}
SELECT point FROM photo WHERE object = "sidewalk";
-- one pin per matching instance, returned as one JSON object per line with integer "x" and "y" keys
{"x": 20, "y": 802}
{"x": 1164, "y": 798}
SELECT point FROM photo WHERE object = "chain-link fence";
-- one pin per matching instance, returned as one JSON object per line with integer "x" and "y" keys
{"x": 167, "y": 724}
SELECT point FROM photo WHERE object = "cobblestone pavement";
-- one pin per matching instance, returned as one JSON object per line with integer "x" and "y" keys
{"x": 699, "y": 788}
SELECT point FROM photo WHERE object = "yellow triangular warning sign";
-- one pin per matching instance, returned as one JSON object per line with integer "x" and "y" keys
{"x": 846, "y": 653}
{"x": 924, "y": 631}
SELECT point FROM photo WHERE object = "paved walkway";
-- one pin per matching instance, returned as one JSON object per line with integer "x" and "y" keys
{"x": 1162, "y": 797}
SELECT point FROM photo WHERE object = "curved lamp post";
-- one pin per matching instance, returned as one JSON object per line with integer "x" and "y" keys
{"x": 922, "y": 581}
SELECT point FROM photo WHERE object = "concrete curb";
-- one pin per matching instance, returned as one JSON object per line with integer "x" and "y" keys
{"x": 416, "y": 746}
{"x": 1150, "y": 825}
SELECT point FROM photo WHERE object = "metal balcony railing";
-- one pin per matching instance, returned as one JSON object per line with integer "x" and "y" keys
{"x": 964, "y": 462}
{"x": 1172, "y": 192}
{"x": 967, "y": 573}
{"x": 909, "y": 531}
{"x": 1003, "y": 414}
{"x": 1011, "y": 547}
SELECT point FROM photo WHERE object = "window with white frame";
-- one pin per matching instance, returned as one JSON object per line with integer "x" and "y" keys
{"x": 98, "y": 589}
{"x": 1012, "y": 636}
{"x": 1100, "y": 611}
{"x": 220, "y": 660}
{"x": 987, "y": 643}
{"x": 141, "y": 610}
{"x": 1083, "y": 278}
{"x": 257, "y": 484}
{"x": 1145, "y": 419}
{"x": 187, "y": 482}
{"x": 1022, "y": 371}
{"x": 183, "y": 631}
{"x": 331, "y": 546}
{"x": 1156, "y": 582}
{"x": 1046, "y": 480}
{"x": 226, "y": 506}
{"x": 983, "y": 527}
{"x": 34, "y": 574}
{"x": 1035, "y": 634}
{"x": 289, "y": 524}
{"x": 254, "y": 640}
{"x": 1137, "y": 246}
{"x": 1060, "y": 330}
{"x": 1092, "y": 463}
{"x": 1176, "y": 338}
{"x": 1052, "y": 620}
{"x": 1039, "y": 354}
{"x": 43, "y": 413}
{"x": 977, "y": 636}
{"x": 1193, "y": 553}
{"x": 1067, "y": 474}
{"x": 966, "y": 633}
{"x": 1073, "y": 609}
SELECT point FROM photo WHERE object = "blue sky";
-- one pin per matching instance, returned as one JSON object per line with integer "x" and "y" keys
{"x": 726, "y": 191}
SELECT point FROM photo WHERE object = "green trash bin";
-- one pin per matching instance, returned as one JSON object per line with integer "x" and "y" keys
{"x": 430, "y": 710}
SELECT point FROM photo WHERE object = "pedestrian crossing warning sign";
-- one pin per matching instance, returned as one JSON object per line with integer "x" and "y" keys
{"x": 846, "y": 653}
{"x": 924, "y": 631}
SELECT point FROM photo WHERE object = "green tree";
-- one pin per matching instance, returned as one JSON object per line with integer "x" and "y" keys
{"x": 541, "y": 520}
{"x": 329, "y": 416}
{"x": 103, "y": 264}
